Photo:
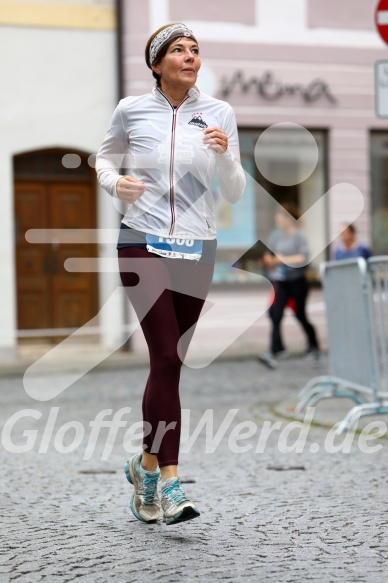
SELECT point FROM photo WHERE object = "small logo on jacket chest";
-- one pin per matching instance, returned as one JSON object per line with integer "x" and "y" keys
{"x": 197, "y": 120}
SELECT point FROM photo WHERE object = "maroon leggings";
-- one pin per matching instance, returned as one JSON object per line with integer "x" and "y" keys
{"x": 163, "y": 322}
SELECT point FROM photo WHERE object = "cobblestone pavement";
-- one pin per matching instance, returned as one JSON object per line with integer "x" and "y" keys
{"x": 269, "y": 516}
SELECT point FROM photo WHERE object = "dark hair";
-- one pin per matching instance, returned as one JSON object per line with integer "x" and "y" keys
{"x": 351, "y": 228}
{"x": 160, "y": 55}
{"x": 290, "y": 208}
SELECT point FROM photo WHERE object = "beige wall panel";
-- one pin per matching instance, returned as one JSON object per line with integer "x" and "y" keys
{"x": 84, "y": 15}
{"x": 294, "y": 53}
{"x": 352, "y": 14}
{"x": 217, "y": 10}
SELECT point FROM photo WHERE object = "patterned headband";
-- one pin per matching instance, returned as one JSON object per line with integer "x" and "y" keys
{"x": 165, "y": 35}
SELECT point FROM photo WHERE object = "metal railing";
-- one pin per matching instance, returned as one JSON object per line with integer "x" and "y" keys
{"x": 356, "y": 298}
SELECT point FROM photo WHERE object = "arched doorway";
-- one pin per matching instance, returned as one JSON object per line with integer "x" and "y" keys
{"x": 51, "y": 302}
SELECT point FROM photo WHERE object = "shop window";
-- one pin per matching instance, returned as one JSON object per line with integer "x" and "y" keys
{"x": 379, "y": 177}
{"x": 244, "y": 227}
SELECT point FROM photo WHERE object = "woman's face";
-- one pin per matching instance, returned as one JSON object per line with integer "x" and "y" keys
{"x": 281, "y": 221}
{"x": 180, "y": 65}
{"x": 347, "y": 237}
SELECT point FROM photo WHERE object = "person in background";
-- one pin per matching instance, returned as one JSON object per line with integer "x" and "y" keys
{"x": 286, "y": 264}
{"x": 350, "y": 248}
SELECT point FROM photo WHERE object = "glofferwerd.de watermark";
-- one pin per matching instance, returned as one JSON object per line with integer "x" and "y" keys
{"x": 109, "y": 430}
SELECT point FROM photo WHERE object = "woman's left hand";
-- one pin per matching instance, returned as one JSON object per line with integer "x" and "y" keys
{"x": 216, "y": 140}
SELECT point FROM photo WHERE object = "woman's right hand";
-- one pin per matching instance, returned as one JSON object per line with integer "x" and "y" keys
{"x": 129, "y": 189}
{"x": 269, "y": 260}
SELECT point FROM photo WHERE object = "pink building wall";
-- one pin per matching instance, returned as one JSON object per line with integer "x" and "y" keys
{"x": 348, "y": 70}
{"x": 228, "y": 11}
{"x": 352, "y": 14}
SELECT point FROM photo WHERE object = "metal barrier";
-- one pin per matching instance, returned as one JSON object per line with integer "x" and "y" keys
{"x": 378, "y": 272}
{"x": 356, "y": 297}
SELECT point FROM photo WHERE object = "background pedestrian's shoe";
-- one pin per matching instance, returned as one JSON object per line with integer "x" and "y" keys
{"x": 145, "y": 503}
{"x": 268, "y": 359}
{"x": 175, "y": 504}
{"x": 314, "y": 355}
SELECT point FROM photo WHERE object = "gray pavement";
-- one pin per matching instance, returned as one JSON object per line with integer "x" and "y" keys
{"x": 269, "y": 515}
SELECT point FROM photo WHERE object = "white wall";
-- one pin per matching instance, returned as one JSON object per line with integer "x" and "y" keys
{"x": 58, "y": 89}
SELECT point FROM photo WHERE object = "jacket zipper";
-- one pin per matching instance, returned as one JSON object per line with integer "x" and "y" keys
{"x": 172, "y": 160}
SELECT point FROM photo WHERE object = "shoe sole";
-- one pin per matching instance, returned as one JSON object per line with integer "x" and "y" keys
{"x": 187, "y": 513}
{"x": 131, "y": 504}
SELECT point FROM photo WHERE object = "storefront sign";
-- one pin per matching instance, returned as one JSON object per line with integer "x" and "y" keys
{"x": 271, "y": 89}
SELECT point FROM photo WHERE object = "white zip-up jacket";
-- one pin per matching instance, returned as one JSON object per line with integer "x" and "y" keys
{"x": 163, "y": 147}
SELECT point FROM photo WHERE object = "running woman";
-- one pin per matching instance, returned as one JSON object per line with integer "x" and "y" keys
{"x": 171, "y": 142}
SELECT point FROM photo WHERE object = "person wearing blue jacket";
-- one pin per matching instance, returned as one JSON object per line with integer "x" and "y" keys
{"x": 350, "y": 248}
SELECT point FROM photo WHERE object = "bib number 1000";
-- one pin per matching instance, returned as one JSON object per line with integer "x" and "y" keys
{"x": 186, "y": 242}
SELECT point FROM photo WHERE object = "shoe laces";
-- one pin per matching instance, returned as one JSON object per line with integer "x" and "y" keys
{"x": 175, "y": 492}
{"x": 149, "y": 487}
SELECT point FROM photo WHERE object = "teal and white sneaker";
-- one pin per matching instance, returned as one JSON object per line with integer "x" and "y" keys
{"x": 145, "y": 503}
{"x": 175, "y": 504}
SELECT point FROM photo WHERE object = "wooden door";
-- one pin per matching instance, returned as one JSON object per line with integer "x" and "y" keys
{"x": 32, "y": 261}
{"x": 49, "y": 297}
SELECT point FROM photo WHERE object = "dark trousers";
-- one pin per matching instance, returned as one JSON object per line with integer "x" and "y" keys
{"x": 285, "y": 290}
{"x": 163, "y": 323}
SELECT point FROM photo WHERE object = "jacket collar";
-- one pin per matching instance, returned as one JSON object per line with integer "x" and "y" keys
{"x": 193, "y": 93}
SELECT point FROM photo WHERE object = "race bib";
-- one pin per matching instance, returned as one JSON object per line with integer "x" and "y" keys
{"x": 174, "y": 248}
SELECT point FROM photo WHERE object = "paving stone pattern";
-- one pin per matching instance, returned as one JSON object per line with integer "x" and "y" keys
{"x": 68, "y": 519}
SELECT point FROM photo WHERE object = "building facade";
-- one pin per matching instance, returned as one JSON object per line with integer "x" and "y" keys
{"x": 305, "y": 62}
{"x": 58, "y": 89}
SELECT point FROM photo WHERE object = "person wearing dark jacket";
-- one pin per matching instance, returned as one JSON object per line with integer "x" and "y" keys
{"x": 286, "y": 264}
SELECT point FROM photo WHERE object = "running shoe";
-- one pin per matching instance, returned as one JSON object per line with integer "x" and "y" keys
{"x": 268, "y": 359}
{"x": 314, "y": 355}
{"x": 145, "y": 503}
{"x": 175, "y": 504}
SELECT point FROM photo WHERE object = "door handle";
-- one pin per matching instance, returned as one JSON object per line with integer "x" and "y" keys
{"x": 46, "y": 264}
{"x": 50, "y": 264}
{"x": 54, "y": 264}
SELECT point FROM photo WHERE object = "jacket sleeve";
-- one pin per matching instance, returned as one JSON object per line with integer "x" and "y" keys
{"x": 111, "y": 153}
{"x": 230, "y": 172}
